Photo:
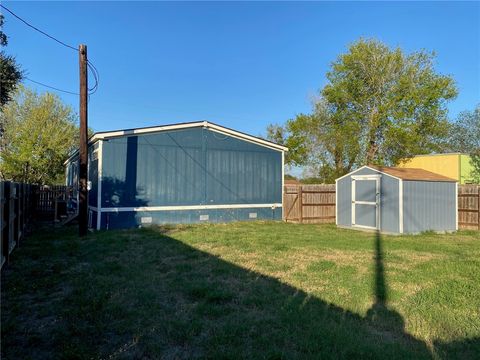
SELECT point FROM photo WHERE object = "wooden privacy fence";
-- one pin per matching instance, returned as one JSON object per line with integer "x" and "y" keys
{"x": 469, "y": 207}
{"x": 316, "y": 204}
{"x": 46, "y": 199}
{"x": 16, "y": 210}
{"x": 309, "y": 203}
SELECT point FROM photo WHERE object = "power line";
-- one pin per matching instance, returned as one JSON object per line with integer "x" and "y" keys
{"x": 91, "y": 66}
{"x": 51, "y": 87}
{"x": 37, "y": 29}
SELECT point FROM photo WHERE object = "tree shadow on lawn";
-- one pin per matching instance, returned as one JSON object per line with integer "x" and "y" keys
{"x": 147, "y": 295}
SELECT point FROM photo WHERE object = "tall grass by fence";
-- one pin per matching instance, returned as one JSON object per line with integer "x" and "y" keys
{"x": 316, "y": 204}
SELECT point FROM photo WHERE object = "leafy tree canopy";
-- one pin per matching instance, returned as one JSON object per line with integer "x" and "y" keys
{"x": 379, "y": 106}
{"x": 39, "y": 133}
{"x": 3, "y": 36}
{"x": 327, "y": 147}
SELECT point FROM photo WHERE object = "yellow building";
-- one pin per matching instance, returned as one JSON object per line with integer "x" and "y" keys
{"x": 454, "y": 165}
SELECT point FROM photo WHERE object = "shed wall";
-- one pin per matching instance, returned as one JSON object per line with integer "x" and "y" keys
{"x": 389, "y": 204}
{"x": 429, "y": 205}
{"x": 344, "y": 201}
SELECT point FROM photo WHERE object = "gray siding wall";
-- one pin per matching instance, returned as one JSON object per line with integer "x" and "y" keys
{"x": 189, "y": 167}
{"x": 344, "y": 201}
{"x": 182, "y": 167}
{"x": 429, "y": 205}
{"x": 389, "y": 202}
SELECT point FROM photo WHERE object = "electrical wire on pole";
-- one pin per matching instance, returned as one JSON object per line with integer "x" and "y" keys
{"x": 50, "y": 87}
{"x": 90, "y": 65}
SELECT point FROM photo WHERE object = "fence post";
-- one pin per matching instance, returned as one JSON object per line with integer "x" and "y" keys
{"x": 15, "y": 212}
{"x": 6, "y": 223}
{"x": 24, "y": 209}
{"x": 2, "y": 202}
{"x": 300, "y": 204}
{"x": 20, "y": 215}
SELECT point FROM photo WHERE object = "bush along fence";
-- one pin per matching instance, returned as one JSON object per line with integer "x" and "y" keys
{"x": 316, "y": 204}
{"x": 21, "y": 203}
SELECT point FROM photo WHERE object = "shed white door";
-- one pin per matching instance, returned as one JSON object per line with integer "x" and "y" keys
{"x": 366, "y": 201}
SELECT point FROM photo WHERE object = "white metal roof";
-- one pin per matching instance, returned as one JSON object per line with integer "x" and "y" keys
{"x": 205, "y": 124}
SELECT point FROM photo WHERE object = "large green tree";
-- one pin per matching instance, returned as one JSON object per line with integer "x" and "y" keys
{"x": 40, "y": 131}
{"x": 465, "y": 137}
{"x": 379, "y": 106}
{"x": 320, "y": 141}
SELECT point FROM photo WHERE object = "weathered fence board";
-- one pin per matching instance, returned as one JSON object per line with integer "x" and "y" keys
{"x": 469, "y": 207}
{"x": 12, "y": 219}
{"x": 309, "y": 203}
{"x": 3, "y": 211}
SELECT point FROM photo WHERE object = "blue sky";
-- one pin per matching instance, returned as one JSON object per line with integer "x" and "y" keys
{"x": 242, "y": 65}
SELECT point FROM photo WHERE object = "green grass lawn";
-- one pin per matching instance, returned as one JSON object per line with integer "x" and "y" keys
{"x": 244, "y": 290}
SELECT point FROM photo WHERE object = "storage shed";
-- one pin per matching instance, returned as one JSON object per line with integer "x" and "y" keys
{"x": 180, "y": 173}
{"x": 396, "y": 200}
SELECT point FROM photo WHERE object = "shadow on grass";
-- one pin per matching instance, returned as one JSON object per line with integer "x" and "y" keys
{"x": 145, "y": 294}
{"x": 379, "y": 314}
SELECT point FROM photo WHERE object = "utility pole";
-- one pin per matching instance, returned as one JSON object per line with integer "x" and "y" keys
{"x": 83, "y": 149}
